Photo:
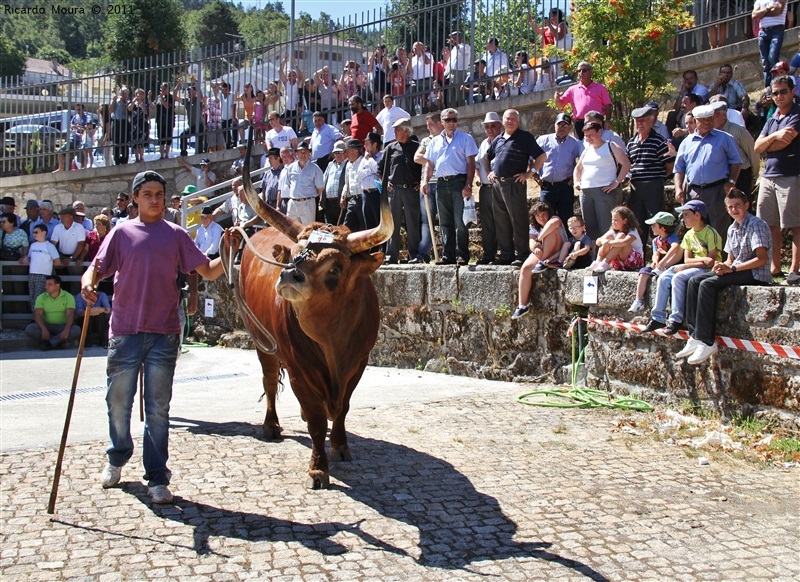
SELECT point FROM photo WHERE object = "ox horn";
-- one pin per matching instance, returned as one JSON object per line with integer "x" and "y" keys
{"x": 276, "y": 218}
{"x": 366, "y": 239}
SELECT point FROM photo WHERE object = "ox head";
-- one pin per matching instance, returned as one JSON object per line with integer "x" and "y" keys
{"x": 329, "y": 267}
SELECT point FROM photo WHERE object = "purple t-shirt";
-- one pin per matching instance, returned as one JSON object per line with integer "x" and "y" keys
{"x": 785, "y": 162}
{"x": 145, "y": 259}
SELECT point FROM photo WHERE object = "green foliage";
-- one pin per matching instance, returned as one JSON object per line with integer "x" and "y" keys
{"x": 506, "y": 21}
{"x": 433, "y": 26}
{"x": 12, "y": 60}
{"x": 215, "y": 22}
{"x": 627, "y": 41}
{"x": 504, "y": 310}
{"x": 260, "y": 27}
{"x": 145, "y": 28}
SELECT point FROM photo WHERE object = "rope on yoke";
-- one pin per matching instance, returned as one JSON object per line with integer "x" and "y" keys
{"x": 744, "y": 345}
{"x": 264, "y": 340}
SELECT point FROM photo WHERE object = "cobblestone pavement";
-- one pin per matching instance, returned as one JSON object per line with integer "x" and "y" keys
{"x": 473, "y": 488}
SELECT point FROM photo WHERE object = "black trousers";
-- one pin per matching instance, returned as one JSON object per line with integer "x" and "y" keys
{"x": 371, "y": 207}
{"x": 701, "y": 301}
{"x": 488, "y": 229}
{"x": 121, "y": 137}
{"x": 354, "y": 216}
{"x": 229, "y": 132}
{"x": 199, "y": 135}
{"x": 511, "y": 219}
{"x": 404, "y": 203}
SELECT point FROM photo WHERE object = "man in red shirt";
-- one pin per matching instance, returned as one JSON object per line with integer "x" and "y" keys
{"x": 363, "y": 122}
{"x": 584, "y": 97}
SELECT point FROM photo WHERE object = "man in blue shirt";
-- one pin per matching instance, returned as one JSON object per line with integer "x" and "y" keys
{"x": 452, "y": 160}
{"x": 322, "y": 139}
{"x": 517, "y": 157}
{"x": 562, "y": 151}
{"x": 707, "y": 167}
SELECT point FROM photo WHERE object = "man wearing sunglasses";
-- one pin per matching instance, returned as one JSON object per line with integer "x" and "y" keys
{"x": 779, "y": 192}
{"x": 584, "y": 97}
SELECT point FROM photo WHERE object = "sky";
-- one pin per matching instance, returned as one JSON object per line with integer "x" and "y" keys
{"x": 337, "y": 9}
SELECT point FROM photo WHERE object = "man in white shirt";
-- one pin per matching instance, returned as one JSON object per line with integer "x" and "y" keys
{"x": 291, "y": 83}
{"x": 203, "y": 175}
{"x": 495, "y": 59}
{"x": 69, "y": 238}
{"x": 359, "y": 176}
{"x": 208, "y": 234}
{"x": 227, "y": 101}
{"x": 458, "y": 67}
{"x": 280, "y": 135}
{"x": 388, "y": 115}
{"x": 420, "y": 71}
{"x": 304, "y": 184}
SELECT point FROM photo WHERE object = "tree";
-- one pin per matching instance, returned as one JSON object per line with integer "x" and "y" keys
{"x": 217, "y": 20}
{"x": 144, "y": 28}
{"x": 12, "y": 61}
{"x": 627, "y": 42}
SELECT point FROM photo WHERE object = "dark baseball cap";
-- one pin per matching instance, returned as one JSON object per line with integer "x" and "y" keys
{"x": 148, "y": 176}
{"x": 694, "y": 206}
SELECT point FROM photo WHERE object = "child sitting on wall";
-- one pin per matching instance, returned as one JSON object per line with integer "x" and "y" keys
{"x": 621, "y": 247}
{"x": 701, "y": 246}
{"x": 666, "y": 252}
{"x": 546, "y": 239}
{"x": 577, "y": 252}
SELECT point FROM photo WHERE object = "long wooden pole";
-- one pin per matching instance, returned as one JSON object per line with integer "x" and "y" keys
{"x": 51, "y": 506}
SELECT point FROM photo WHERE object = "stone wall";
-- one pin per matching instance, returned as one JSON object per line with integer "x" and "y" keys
{"x": 458, "y": 320}
{"x": 99, "y": 187}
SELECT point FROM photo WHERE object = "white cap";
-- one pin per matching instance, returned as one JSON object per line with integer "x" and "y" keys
{"x": 703, "y": 111}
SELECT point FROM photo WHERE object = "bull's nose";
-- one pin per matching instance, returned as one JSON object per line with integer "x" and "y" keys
{"x": 293, "y": 273}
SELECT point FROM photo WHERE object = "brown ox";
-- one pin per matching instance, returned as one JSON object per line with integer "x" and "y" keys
{"x": 323, "y": 313}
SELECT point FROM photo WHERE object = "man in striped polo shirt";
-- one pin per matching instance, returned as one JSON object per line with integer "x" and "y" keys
{"x": 650, "y": 165}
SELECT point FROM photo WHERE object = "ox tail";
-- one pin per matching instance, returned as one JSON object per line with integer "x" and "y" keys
{"x": 288, "y": 226}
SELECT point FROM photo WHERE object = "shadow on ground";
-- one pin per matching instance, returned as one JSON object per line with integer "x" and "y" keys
{"x": 457, "y": 524}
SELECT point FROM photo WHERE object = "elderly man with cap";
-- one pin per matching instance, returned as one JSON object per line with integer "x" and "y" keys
{"x": 555, "y": 179}
{"x": 8, "y": 204}
{"x": 400, "y": 174}
{"x": 69, "y": 237}
{"x": 658, "y": 127}
{"x": 587, "y": 95}
{"x": 493, "y": 127}
{"x": 514, "y": 157}
{"x": 650, "y": 165}
{"x": 358, "y": 177}
{"x": 388, "y": 116}
{"x": 238, "y": 163}
{"x": 31, "y": 218}
{"x": 334, "y": 178}
{"x": 451, "y": 157}
{"x": 209, "y": 234}
{"x": 751, "y": 163}
{"x": 707, "y": 167}
{"x": 302, "y": 186}
{"x": 322, "y": 141}
{"x": 145, "y": 257}
{"x": 270, "y": 181}
{"x": 203, "y": 175}
{"x": 733, "y": 115}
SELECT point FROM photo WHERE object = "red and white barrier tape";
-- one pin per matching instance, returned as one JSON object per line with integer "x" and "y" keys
{"x": 792, "y": 352}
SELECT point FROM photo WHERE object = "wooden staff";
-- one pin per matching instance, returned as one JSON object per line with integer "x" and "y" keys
{"x": 51, "y": 506}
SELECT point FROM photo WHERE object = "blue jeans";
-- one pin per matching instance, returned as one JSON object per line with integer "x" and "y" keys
{"x": 672, "y": 287}
{"x": 426, "y": 242}
{"x": 770, "y": 41}
{"x": 126, "y": 354}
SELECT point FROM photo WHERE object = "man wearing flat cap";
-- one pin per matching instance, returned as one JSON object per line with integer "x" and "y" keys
{"x": 302, "y": 187}
{"x": 650, "y": 166}
{"x": 401, "y": 176}
{"x": 706, "y": 168}
{"x": 145, "y": 256}
{"x": 555, "y": 178}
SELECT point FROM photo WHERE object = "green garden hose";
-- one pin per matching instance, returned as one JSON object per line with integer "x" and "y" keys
{"x": 577, "y": 397}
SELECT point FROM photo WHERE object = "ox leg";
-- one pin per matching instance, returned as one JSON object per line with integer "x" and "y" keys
{"x": 318, "y": 473}
{"x": 340, "y": 451}
{"x": 271, "y": 369}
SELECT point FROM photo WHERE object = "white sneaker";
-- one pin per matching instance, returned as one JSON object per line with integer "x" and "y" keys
{"x": 702, "y": 353}
{"x": 160, "y": 494}
{"x": 110, "y": 475}
{"x": 602, "y": 267}
{"x": 690, "y": 348}
{"x": 593, "y": 266}
{"x": 636, "y": 306}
